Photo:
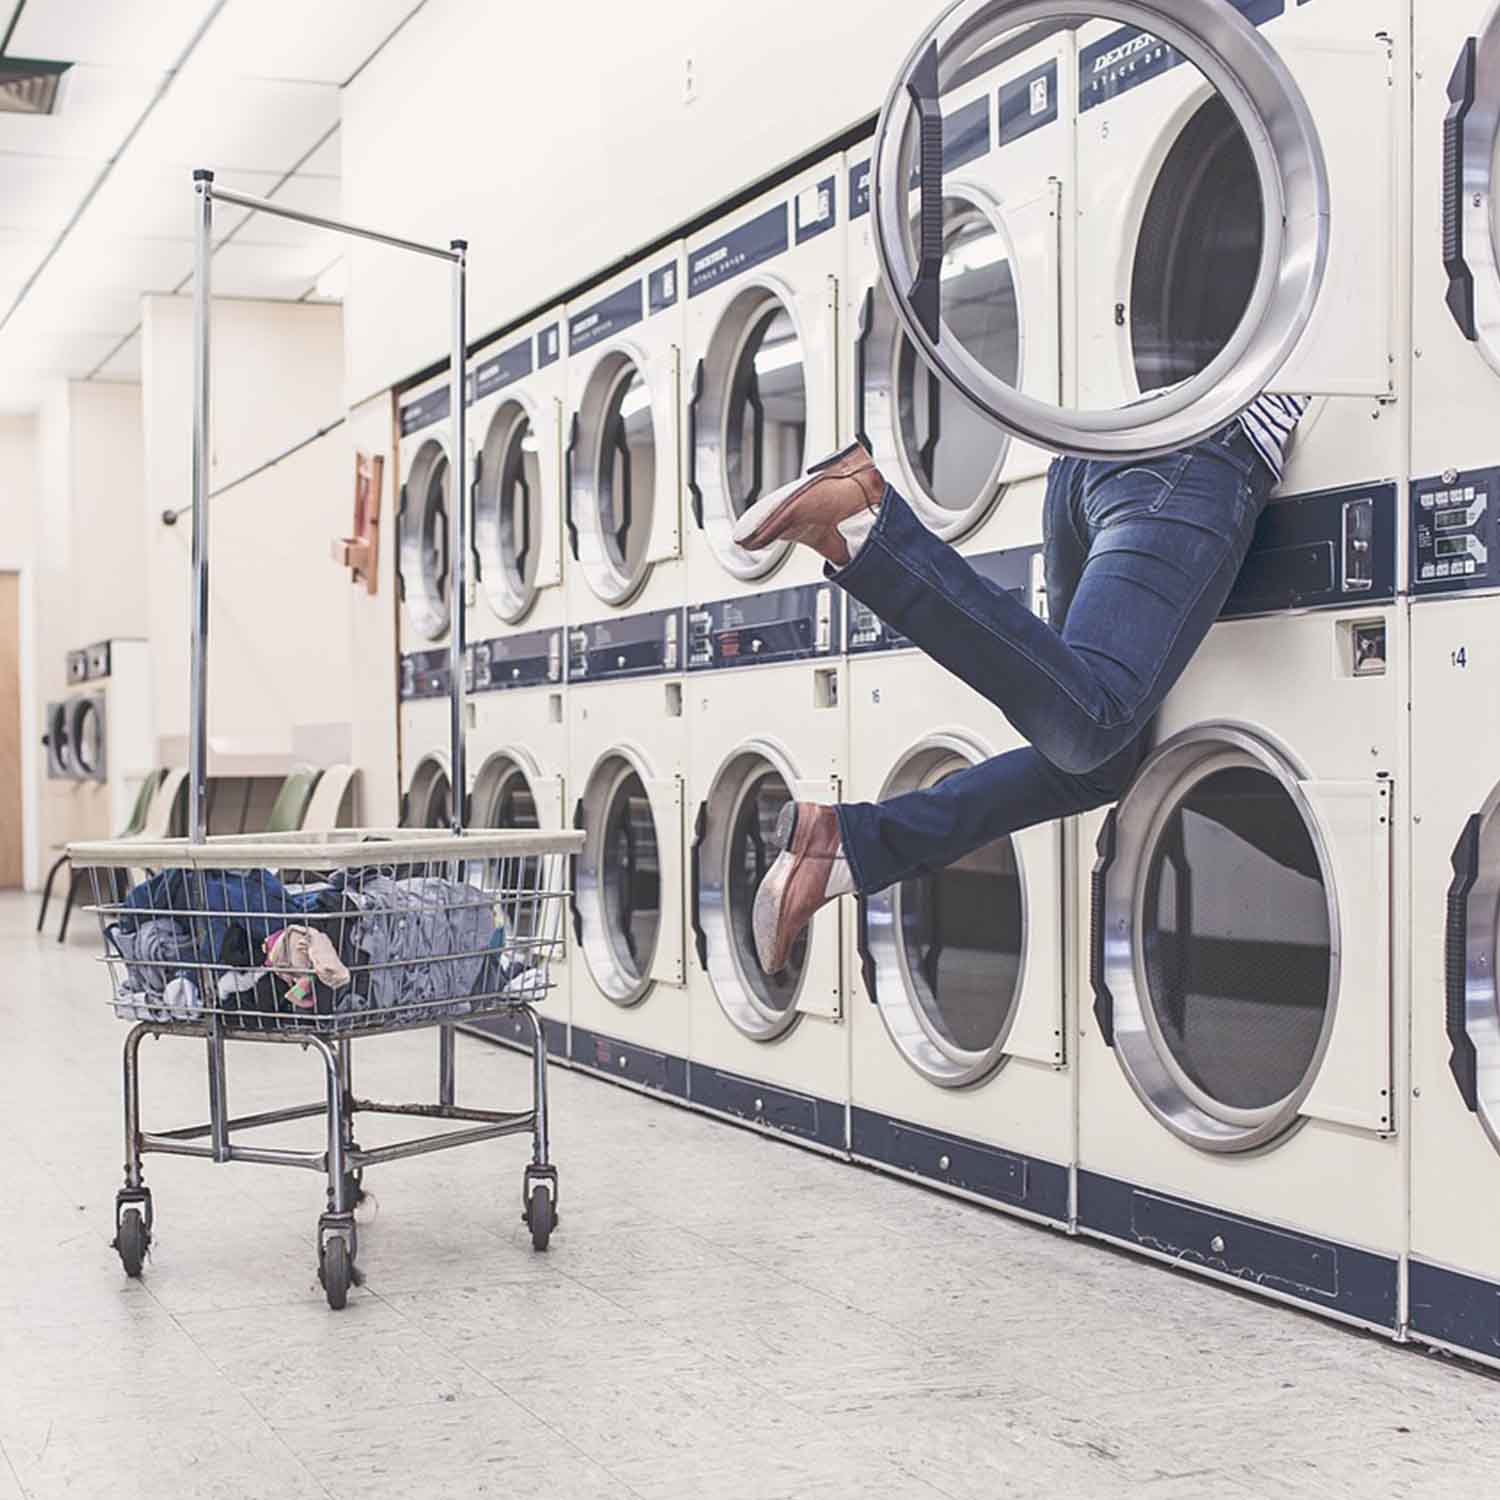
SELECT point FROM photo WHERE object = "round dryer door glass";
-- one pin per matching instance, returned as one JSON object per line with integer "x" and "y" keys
{"x": 949, "y": 949}
{"x": 950, "y": 454}
{"x": 766, "y": 424}
{"x": 619, "y": 880}
{"x": 736, "y": 850}
{"x": 614, "y": 477}
{"x": 88, "y": 736}
{"x": 424, "y": 539}
{"x": 1220, "y": 931}
{"x": 508, "y": 511}
{"x": 429, "y": 798}
{"x": 1199, "y": 230}
{"x": 503, "y": 798}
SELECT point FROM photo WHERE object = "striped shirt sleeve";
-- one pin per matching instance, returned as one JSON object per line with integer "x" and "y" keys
{"x": 1269, "y": 423}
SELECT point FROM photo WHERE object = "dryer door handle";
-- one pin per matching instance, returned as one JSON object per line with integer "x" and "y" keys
{"x": 568, "y": 452}
{"x": 573, "y": 879}
{"x": 1104, "y": 1001}
{"x": 867, "y": 968}
{"x": 926, "y": 296}
{"x": 694, "y": 398}
{"x": 695, "y": 899}
{"x": 1463, "y": 1061}
{"x": 1461, "y": 95}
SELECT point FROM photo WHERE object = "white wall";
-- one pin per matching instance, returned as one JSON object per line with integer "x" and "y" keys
{"x": 279, "y": 644}
{"x": 20, "y": 482}
{"x": 555, "y": 137}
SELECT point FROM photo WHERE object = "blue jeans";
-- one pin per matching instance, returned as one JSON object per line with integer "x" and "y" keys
{"x": 1140, "y": 557}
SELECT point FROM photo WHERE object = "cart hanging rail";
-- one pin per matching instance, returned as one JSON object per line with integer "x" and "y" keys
{"x": 318, "y": 940}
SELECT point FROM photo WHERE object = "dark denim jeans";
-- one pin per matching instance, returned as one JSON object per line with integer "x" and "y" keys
{"x": 1140, "y": 557}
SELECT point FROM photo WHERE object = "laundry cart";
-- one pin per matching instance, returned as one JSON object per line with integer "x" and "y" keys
{"x": 319, "y": 941}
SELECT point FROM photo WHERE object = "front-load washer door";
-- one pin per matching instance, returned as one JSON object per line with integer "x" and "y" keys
{"x": 628, "y": 882}
{"x": 733, "y": 848}
{"x": 1008, "y": 166}
{"x": 964, "y": 964}
{"x": 1241, "y": 959}
{"x": 86, "y": 736}
{"x": 1207, "y": 42}
{"x": 516, "y": 506}
{"x": 1471, "y": 206}
{"x": 422, "y": 554}
{"x": 1473, "y": 950}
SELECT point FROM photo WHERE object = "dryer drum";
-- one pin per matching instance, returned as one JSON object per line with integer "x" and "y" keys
{"x": 750, "y": 426}
{"x": 949, "y": 949}
{"x": 424, "y": 539}
{"x": 949, "y": 453}
{"x": 503, "y": 798}
{"x": 614, "y": 478}
{"x": 618, "y": 882}
{"x": 1220, "y": 934}
{"x": 735, "y": 851}
{"x": 508, "y": 509}
{"x": 429, "y": 796}
{"x": 1291, "y": 183}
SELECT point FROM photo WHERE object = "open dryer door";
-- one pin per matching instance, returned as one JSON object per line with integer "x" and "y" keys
{"x": 1471, "y": 229}
{"x": 1254, "y": 302}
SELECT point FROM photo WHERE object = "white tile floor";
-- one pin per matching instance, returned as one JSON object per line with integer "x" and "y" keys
{"x": 719, "y": 1317}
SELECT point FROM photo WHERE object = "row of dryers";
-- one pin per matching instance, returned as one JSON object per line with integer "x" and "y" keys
{"x": 1240, "y": 1021}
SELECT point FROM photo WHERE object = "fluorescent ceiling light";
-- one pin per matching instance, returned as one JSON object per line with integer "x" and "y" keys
{"x": 529, "y": 444}
{"x": 29, "y": 87}
{"x": 973, "y": 255}
{"x": 772, "y": 357}
{"x": 636, "y": 400}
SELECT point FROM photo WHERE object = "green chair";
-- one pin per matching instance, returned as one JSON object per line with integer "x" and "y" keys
{"x": 290, "y": 806}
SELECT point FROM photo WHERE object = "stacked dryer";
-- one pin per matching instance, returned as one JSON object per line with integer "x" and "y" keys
{"x": 1454, "y": 543}
{"x": 516, "y": 625}
{"x": 961, "y": 1071}
{"x": 425, "y": 426}
{"x": 1237, "y": 1077}
{"x": 624, "y": 662}
{"x": 766, "y": 713}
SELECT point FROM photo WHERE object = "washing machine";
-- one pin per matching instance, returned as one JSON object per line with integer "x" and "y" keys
{"x": 62, "y": 764}
{"x": 767, "y": 724}
{"x": 424, "y": 424}
{"x": 761, "y": 371}
{"x": 517, "y": 390}
{"x": 1008, "y": 177}
{"x": 1240, "y": 1078}
{"x": 627, "y": 757}
{"x": 518, "y": 749}
{"x": 622, "y": 444}
{"x": 1237, "y": 209}
{"x": 961, "y": 1068}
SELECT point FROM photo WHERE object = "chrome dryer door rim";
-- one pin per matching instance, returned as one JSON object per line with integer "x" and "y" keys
{"x": 1470, "y": 250}
{"x": 1293, "y": 177}
{"x": 1473, "y": 949}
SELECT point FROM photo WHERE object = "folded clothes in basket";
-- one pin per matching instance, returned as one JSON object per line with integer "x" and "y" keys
{"x": 382, "y": 944}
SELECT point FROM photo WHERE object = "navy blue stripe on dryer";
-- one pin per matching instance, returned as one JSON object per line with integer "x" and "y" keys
{"x": 859, "y": 190}
{"x": 763, "y": 238}
{"x": 613, "y": 314}
{"x": 1129, "y": 57}
{"x": 502, "y": 370}
{"x": 1028, "y": 102}
{"x": 815, "y": 209}
{"x": 548, "y": 346}
{"x": 426, "y": 410}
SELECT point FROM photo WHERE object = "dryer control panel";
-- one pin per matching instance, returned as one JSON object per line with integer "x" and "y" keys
{"x": 646, "y": 645}
{"x": 424, "y": 674}
{"x": 780, "y": 625}
{"x": 531, "y": 659}
{"x": 1454, "y": 532}
{"x": 1017, "y": 570}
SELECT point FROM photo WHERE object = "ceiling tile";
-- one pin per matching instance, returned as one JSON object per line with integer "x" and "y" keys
{"x": 283, "y": 272}
{"x": 39, "y": 194}
{"x": 96, "y": 108}
{"x": 291, "y": 39}
{"x": 147, "y": 34}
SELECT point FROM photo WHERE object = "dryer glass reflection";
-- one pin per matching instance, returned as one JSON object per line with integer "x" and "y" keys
{"x": 1236, "y": 939}
{"x": 630, "y": 878}
{"x": 962, "y": 934}
{"x": 627, "y": 472}
{"x": 435, "y": 533}
{"x": 88, "y": 738}
{"x": 1198, "y": 251}
{"x": 951, "y": 450}
{"x": 507, "y": 511}
{"x": 512, "y": 806}
{"x": 751, "y": 854}
{"x": 429, "y": 800}
{"x": 767, "y": 412}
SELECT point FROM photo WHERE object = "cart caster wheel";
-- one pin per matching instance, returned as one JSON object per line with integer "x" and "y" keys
{"x": 132, "y": 1240}
{"x": 336, "y": 1271}
{"x": 539, "y": 1216}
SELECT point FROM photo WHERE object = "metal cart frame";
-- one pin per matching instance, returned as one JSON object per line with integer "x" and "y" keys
{"x": 342, "y": 1159}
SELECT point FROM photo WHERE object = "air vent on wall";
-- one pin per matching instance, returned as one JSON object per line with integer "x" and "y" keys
{"x": 28, "y": 87}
